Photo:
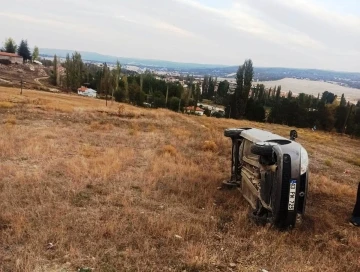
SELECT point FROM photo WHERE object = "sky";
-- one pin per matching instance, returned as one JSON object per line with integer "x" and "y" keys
{"x": 322, "y": 34}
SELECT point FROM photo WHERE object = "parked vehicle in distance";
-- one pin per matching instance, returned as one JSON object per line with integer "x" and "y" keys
{"x": 272, "y": 174}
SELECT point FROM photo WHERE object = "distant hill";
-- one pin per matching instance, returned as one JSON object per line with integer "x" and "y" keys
{"x": 222, "y": 71}
{"x": 96, "y": 57}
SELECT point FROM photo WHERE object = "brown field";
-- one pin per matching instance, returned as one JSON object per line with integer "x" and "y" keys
{"x": 121, "y": 188}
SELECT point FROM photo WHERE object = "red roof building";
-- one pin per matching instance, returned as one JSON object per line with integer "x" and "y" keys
{"x": 10, "y": 58}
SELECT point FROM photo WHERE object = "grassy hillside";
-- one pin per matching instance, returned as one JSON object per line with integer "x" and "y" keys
{"x": 121, "y": 188}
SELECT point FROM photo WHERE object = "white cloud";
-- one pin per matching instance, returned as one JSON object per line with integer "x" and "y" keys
{"x": 296, "y": 33}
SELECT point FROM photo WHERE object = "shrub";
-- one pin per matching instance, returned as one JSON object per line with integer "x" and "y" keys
{"x": 328, "y": 163}
{"x": 160, "y": 102}
{"x": 140, "y": 98}
{"x": 120, "y": 95}
{"x": 174, "y": 103}
{"x": 136, "y": 96}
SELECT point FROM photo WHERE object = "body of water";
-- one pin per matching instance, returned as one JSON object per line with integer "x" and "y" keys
{"x": 310, "y": 87}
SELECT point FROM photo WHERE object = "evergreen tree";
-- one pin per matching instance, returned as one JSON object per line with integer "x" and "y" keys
{"x": 237, "y": 101}
{"x": 10, "y": 46}
{"x": 196, "y": 96}
{"x": 105, "y": 83}
{"x": 205, "y": 86}
{"x": 211, "y": 88}
{"x": 55, "y": 75}
{"x": 261, "y": 95}
{"x": 343, "y": 101}
{"x": 248, "y": 78}
{"x": 278, "y": 94}
{"x": 68, "y": 72}
{"x": 289, "y": 95}
{"x": 115, "y": 78}
{"x": 24, "y": 50}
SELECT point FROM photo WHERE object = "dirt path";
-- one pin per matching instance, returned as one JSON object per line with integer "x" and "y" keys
{"x": 6, "y": 81}
{"x": 37, "y": 80}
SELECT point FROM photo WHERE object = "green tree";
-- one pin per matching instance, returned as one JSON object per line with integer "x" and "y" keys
{"x": 120, "y": 95}
{"x": 211, "y": 88}
{"x": 10, "y": 46}
{"x": 136, "y": 96}
{"x": 126, "y": 87}
{"x": 68, "y": 72}
{"x": 343, "y": 101}
{"x": 223, "y": 88}
{"x": 159, "y": 100}
{"x": 328, "y": 97}
{"x": 77, "y": 71}
{"x": 55, "y": 74}
{"x": 174, "y": 103}
{"x": 261, "y": 95}
{"x": 244, "y": 78}
{"x": 115, "y": 78}
{"x": 205, "y": 87}
{"x": 196, "y": 96}
{"x": 255, "y": 111}
{"x": 35, "y": 55}
{"x": 105, "y": 81}
{"x": 278, "y": 94}
{"x": 289, "y": 95}
{"x": 237, "y": 101}
{"x": 24, "y": 50}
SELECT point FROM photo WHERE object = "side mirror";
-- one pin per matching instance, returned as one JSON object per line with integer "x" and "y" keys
{"x": 293, "y": 135}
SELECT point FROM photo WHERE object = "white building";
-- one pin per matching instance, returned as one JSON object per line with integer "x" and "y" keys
{"x": 198, "y": 111}
{"x": 87, "y": 92}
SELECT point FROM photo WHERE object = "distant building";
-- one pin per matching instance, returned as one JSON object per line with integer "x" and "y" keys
{"x": 84, "y": 91}
{"x": 37, "y": 62}
{"x": 11, "y": 58}
{"x": 198, "y": 111}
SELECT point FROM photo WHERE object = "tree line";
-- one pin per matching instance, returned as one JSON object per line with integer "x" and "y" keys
{"x": 246, "y": 102}
{"x": 326, "y": 111}
{"x": 22, "y": 50}
{"x": 123, "y": 86}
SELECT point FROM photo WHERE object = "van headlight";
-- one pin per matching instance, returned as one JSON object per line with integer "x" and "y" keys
{"x": 304, "y": 161}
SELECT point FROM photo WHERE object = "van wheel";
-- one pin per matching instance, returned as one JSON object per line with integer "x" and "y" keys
{"x": 262, "y": 149}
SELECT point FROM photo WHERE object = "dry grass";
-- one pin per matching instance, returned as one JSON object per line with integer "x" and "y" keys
{"x": 6, "y": 104}
{"x": 10, "y": 119}
{"x": 209, "y": 146}
{"x": 169, "y": 149}
{"x": 354, "y": 161}
{"x": 120, "y": 188}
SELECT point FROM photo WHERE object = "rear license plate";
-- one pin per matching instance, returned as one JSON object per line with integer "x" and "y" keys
{"x": 292, "y": 195}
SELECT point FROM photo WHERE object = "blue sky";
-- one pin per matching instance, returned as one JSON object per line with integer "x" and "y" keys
{"x": 322, "y": 34}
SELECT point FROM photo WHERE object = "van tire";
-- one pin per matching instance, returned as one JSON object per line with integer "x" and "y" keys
{"x": 262, "y": 149}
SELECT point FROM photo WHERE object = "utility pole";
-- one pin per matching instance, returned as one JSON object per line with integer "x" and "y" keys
{"x": 21, "y": 86}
